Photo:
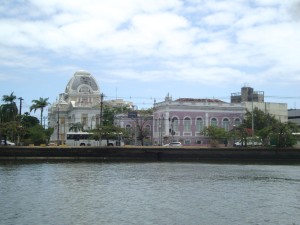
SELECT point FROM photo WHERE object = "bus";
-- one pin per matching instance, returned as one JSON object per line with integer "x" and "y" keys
{"x": 87, "y": 139}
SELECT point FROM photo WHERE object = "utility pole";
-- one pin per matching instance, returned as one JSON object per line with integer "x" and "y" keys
{"x": 101, "y": 118}
{"x": 101, "y": 109}
{"x": 57, "y": 125}
{"x": 252, "y": 122}
{"x": 21, "y": 99}
{"x": 44, "y": 119}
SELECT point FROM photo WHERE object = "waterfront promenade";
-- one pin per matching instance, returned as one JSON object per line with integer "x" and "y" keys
{"x": 263, "y": 155}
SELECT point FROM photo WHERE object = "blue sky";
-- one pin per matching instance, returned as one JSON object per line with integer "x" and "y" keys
{"x": 140, "y": 50}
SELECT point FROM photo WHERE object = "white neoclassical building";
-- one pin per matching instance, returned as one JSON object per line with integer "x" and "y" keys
{"x": 80, "y": 103}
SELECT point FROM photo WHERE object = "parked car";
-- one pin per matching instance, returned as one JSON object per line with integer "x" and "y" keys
{"x": 250, "y": 141}
{"x": 7, "y": 142}
{"x": 174, "y": 144}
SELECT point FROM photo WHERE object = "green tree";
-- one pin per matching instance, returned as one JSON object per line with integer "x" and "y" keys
{"x": 40, "y": 104}
{"x": 37, "y": 135}
{"x": 282, "y": 134}
{"x": 216, "y": 134}
{"x": 108, "y": 116}
{"x": 107, "y": 132}
{"x": 269, "y": 129}
{"x": 26, "y": 122}
{"x": 9, "y": 110}
{"x": 260, "y": 118}
{"x": 48, "y": 132}
{"x": 8, "y": 118}
{"x": 9, "y": 130}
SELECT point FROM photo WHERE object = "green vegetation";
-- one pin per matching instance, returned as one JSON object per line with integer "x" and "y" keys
{"x": 22, "y": 129}
{"x": 216, "y": 135}
{"x": 25, "y": 129}
{"x": 39, "y": 104}
{"x": 108, "y": 130}
{"x": 267, "y": 129}
{"x": 271, "y": 131}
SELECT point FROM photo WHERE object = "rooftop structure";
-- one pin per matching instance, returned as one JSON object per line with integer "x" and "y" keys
{"x": 247, "y": 94}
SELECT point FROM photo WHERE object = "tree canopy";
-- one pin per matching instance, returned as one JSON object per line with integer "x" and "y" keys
{"x": 40, "y": 104}
{"x": 9, "y": 110}
{"x": 269, "y": 129}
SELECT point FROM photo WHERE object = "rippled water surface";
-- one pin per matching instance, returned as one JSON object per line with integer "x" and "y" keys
{"x": 148, "y": 193}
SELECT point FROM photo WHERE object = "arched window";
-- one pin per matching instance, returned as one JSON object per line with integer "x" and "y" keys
{"x": 237, "y": 122}
{"x": 226, "y": 124}
{"x": 213, "y": 122}
{"x": 175, "y": 124}
{"x": 187, "y": 124}
{"x": 199, "y": 124}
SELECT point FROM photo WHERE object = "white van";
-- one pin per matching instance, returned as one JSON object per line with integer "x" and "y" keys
{"x": 250, "y": 142}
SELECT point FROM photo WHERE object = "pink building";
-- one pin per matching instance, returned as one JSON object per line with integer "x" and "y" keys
{"x": 184, "y": 119}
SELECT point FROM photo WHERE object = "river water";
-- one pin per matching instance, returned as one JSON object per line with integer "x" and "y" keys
{"x": 63, "y": 193}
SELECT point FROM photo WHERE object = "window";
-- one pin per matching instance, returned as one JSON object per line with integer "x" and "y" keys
{"x": 226, "y": 124}
{"x": 187, "y": 124}
{"x": 199, "y": 125}
{"x": 214, "y": 122}
{"x": 175, "y": 124}
{"x": 156, "y": 125}
{"x": 84, "y": 89}
{"x": 187, "y": 142}
{"x": 237, "y": 122}
{"x": 128, "y": 127}
{"x": 84, "y": 119}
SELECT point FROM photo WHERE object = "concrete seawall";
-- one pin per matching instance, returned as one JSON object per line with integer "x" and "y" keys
{"x": 257, "y": 155}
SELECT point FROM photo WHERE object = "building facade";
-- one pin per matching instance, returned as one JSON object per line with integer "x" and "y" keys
{"x": 135, "y": 124}
{"x": 80, "y": 103}
{"x": 255, "y": 99}
{"x": 294, "y": 116}
{"x": 181, "y": 120}
{"x": 184, "y": 119}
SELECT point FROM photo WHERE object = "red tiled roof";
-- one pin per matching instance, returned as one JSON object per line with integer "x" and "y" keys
{"x": 198, "y": 100}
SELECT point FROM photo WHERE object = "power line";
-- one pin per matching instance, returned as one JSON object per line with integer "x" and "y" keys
{"x": 283, "y": 97}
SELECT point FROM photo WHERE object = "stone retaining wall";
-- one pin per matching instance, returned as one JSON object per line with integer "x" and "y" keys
{"x": 152, "y": 154}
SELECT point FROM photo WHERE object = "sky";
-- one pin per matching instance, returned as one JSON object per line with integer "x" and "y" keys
{"x": 141, "y": 50}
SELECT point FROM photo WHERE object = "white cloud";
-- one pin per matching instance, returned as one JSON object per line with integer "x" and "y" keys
{"x": 210, "y": 42}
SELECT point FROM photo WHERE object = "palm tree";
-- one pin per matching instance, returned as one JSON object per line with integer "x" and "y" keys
{"x": 9, "y": 110}
{"x": 9, "y": 98}
{"x": 39, "y": 104}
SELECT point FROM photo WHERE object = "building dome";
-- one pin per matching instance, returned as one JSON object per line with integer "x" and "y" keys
{"x": 82, "y": 82}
